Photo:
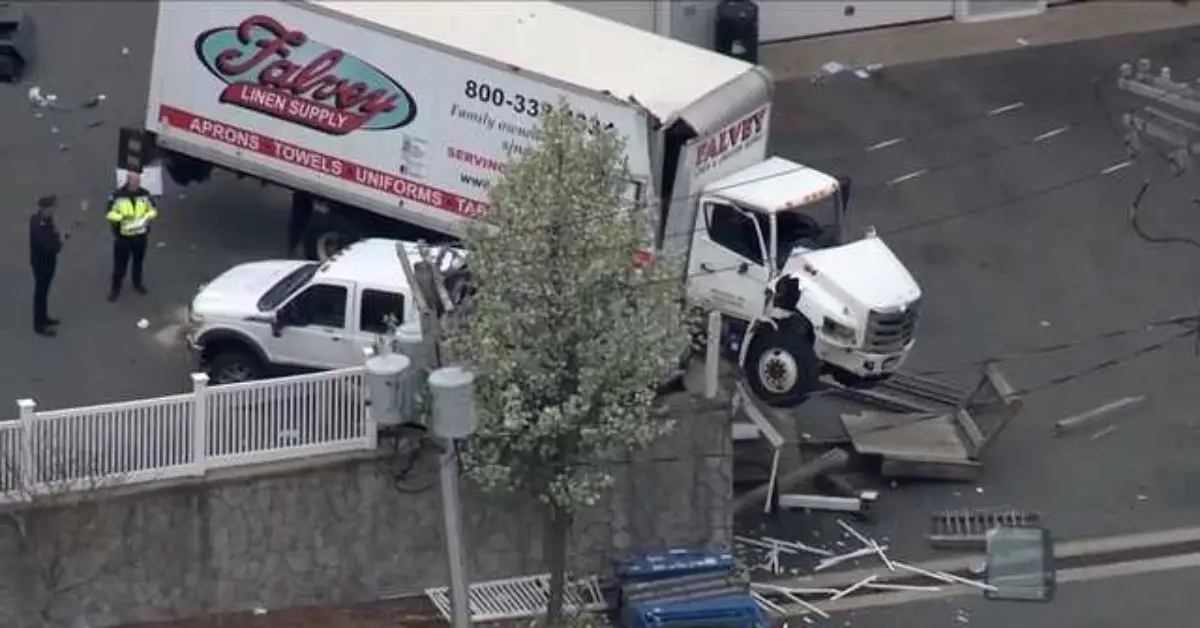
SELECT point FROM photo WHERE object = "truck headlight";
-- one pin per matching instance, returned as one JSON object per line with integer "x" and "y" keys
{"x": 837, "y": 330}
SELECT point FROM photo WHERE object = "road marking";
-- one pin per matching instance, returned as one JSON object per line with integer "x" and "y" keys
{"x": 1049, "y": 134}
{"x": 1062, "y": 550}
{"x": 1115, "y": 167}
{"x": 1006, "y": 108}
{"x": 907, "y": 177}
{"x": 885, "y": 144}
{"x": 1066, "y": 576}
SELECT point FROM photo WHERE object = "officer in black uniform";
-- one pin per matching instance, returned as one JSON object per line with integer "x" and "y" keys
{"x": 44, "y": 244}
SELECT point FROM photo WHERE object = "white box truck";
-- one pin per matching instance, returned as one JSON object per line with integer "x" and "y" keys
{"x": 397, "y": 117}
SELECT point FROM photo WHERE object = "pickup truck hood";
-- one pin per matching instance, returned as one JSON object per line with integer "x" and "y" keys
{"x": 865, "y": 272}
{"x": 237, "y": 291}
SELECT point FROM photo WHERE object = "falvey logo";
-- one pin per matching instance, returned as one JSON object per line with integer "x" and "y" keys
{"x": 730, "y": 139}
{"x": 282, "y": 73}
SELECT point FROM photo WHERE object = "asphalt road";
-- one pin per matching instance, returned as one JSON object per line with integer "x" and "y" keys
{"x": 1025, "y": 268}
{"x": 100, "y": 354}
{"x": 1040, "y": 253}
{"x": 1112, "y": 603}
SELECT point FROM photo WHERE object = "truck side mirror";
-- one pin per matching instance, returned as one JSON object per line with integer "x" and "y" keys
{"x": 844, "y": 191}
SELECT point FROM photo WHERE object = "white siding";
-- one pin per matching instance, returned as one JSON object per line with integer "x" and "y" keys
{"x": 789, "y": 19}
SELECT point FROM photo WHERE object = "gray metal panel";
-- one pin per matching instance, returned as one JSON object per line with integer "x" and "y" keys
{"x": 723, "y": 105}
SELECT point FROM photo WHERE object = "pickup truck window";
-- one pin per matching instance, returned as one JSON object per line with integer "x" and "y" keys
{"x": 286, "y": 287}
{"x": 377, "y": 306}
{"x": 319, "y": 304}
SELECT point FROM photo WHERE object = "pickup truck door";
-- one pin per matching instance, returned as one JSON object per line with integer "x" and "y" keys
{"x": 315, "y": 328}
{"x": 378, "y": 310}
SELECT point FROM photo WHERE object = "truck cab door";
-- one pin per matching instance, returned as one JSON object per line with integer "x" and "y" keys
{"x": 727, "y": 268}
{"x": 313, "y": 329}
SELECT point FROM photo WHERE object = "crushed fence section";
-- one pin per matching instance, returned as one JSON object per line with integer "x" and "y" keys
{"x": 148, "y": 440}
{"x": 521, "y": 598}
{"x": 306, "y": 415}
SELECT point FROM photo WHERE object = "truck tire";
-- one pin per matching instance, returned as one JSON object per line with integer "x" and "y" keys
{"x": 232, "y": 365}
{"x": 12, "y": 68}
{"x": 327, "y": 234}
{"x": 781, "y": 366}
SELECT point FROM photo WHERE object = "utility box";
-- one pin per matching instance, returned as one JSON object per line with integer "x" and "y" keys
{"x": 386, "y": 376}
{"x": 737, "y": 30}
{"x": 16, "y": 43}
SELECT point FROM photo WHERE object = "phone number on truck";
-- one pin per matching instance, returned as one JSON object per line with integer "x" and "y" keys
{"x": 522, "y": 104}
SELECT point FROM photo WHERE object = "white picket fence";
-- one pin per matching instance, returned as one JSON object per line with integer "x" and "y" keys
{"x": 212, "y": 427}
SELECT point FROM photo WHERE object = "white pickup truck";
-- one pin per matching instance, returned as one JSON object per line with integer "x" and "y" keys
{"x": 397, "y": 117}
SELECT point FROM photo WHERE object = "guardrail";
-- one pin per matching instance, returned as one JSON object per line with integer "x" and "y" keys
{"x": 185, "y": 435}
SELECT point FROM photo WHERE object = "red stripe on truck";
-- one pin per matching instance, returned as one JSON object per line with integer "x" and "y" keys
{"x": 319, "y": 162}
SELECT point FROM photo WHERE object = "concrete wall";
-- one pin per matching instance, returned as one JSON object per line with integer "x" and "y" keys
{"x": 344, "y": 532}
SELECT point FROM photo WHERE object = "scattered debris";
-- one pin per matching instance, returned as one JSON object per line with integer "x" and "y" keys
{"x": 95, "y": 124}
{"x": 833, "y": 67}
{"x": 979, "y": 490}
{"x": 1021, "y": 41}
{"x": 53, "y": 130}
{"x": 1063, "y": 426}
{"x": 84, "y": 205}
{"x": 160, "y": 245}
{"x": 1142, "y": 498}
{"x": 124, "y": 51}
{"x": 64, "y": 147}
{"x": 854, "y": 587}
{"x": 143, "y": 324}
{"x": 1102, "y": 433}
{"x": 41, "y": 99}
{"x": 94, "y": 101}
{"x": 260, "y": 611}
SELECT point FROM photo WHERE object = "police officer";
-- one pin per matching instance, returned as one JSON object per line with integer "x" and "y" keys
{"x": 130, "y": 210}
{"x": 44, "y": 245}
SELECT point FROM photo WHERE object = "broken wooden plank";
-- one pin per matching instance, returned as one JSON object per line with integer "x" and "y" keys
{"x": 830, "y": 460}
{"x": 949, "y": 471}
{"x": 1064, "y": 426}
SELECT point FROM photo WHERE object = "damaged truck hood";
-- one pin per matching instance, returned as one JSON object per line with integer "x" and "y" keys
{"x": 865, "y": 272}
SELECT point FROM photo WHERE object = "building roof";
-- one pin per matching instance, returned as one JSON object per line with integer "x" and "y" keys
{"x": 775, "y": 185}
{"x": 662, "y": 75}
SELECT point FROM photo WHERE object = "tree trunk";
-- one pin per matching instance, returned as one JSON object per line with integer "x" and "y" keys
{"x": 558, "y": 532}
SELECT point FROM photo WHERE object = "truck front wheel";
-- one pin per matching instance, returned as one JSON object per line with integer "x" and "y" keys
{"x": 781, "y": 366}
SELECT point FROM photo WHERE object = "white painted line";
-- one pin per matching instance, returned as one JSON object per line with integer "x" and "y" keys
{"x": 1115, "y": 167}
{"x": 1049, "y": 134}
{"x": 1066, "y": 576}
{"x": 1006, "y": 108}
{"x": 907, "y": 177}
{"x": 885, "y": 144}
{"x": 1063, "y": 550}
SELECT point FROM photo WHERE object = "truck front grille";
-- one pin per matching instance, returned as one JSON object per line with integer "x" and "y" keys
{"x": 890, "y": 332}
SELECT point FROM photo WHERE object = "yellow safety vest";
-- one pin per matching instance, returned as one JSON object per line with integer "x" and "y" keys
{"x": 132, "y": 214}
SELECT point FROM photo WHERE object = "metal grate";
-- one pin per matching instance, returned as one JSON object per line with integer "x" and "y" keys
{"x": 888, "y": 332}
{"x": 968, "y": 528}
{"x": 520, "y": 598}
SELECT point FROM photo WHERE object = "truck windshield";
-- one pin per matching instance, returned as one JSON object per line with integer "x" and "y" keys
{"x": 813, "y": 226}
{"x": 287, "y": 286}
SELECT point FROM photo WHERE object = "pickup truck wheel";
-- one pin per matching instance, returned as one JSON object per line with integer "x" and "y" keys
{"x": 233, "y": 366}
{"x": 781, "y": 367}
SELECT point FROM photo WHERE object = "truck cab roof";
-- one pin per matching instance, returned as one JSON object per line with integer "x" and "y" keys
{"x": 773, "y": 186}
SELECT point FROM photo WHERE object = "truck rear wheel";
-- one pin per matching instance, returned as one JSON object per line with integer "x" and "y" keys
{"x": 328, "y": 234}
{"x": 781, "y": 366}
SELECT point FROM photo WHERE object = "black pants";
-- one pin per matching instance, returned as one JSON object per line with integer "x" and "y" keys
{"x": 43, "y": 275}
{"x": 128, "y": 251}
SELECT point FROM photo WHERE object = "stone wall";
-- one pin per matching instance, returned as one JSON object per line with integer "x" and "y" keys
{"x": 343, "y": 532}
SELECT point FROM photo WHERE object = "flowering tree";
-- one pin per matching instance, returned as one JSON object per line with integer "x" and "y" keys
{"x": 568, "y": 336}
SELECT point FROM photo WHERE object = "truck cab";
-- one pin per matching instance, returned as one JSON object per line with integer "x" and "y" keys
{"x": 285, "y": 316}
{"x": 767, "y": 251}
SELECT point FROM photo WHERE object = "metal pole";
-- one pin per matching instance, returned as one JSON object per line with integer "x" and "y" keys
{"x": 454, "y": 536}
{"x": 448, "y": 467}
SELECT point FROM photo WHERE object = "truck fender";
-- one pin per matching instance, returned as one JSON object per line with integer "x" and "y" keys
{"x": 751, "y": 330}
{"x": 222, "y": 336}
